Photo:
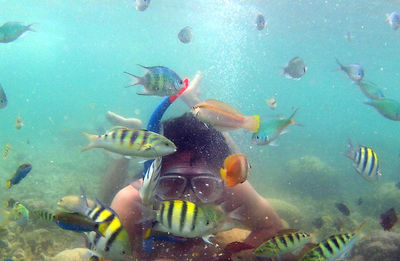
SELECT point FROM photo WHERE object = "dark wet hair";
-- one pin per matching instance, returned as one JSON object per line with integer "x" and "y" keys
{"x": 204, "y": 141}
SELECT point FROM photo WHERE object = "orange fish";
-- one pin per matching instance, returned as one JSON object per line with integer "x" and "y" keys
{"x": 236, "y": 169}
{"x": 223, "y": 116}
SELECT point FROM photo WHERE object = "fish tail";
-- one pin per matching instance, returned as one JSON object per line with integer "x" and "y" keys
{"x": 29, "y": 28}
{"x": 340, "y": 65}
{"x": 139, "y": 80}
{"x": 360, "y": 227}
{"x": 9, "y": 183}
{"x": 291, "y": 118}
{"x": 350, "y": 149}
{"x": 92, "y": 141}
{"x": 252, "y": 123}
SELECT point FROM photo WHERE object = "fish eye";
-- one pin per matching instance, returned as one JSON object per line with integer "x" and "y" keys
{"x": 123, "y": 252}
{"x": 207, "y": 222}
{"x": 180, "y": 82}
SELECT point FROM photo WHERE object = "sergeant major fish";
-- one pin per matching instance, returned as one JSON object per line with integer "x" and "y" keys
{"x": 132, "y": 142}
{"x": 387, "y": 107}
{"x": 159, "y": 81}
{"x": 354, "y": 71}
{"x": 269, "y": 131}
{"x": 393, "y": 20}
{"x": 333, "y": 247}
{"x": 187, "y": 219}
{"x": 19, "y": 175}
{"x": 223, "y": 116}
{"x": 3, "y": 98}
{"x": 115, "y": 243}
{"x": 284, "y": 242}
{"x": 365, "y": 161}
{"x": 295, "y": 68}
{"x": 10, "y": 31}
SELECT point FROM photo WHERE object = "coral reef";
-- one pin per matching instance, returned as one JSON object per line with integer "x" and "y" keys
{"x": 380, "y": 245}
{"x": 311, "y": 176}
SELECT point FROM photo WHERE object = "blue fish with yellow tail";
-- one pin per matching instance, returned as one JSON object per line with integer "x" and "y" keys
{"x": 269, "y": 131}
{"x": 19, "y": 175}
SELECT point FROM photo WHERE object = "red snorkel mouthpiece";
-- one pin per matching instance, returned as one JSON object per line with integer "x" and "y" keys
{"x": 174, "y": 97}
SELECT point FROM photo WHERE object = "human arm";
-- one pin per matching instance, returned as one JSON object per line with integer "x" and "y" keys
{"x": 253, "y": 211}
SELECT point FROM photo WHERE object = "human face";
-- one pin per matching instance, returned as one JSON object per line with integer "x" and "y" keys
{"x": 191, "y": 181}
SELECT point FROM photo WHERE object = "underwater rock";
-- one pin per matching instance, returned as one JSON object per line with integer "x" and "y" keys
{"x": 236, "y": 234}
{"x": 76, "y": 254}
{"x": 311, "y": 176}
{"x": 288, "y": 212}
{"x": 379, "y": 245}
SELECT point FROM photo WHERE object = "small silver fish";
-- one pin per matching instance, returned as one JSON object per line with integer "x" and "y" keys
{"x": 354, "y": 71}
{"x": 260, "y": 22}
{"x": 142, "y": 5}
{"x": 394, "y": 20}
{"x": 3, "y": 98}
{"x": 10, "y": 31}
{"x": 295, "y": 69}
{"x": 185, "y": 35}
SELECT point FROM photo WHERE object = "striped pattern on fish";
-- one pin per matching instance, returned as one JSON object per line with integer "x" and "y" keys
{"x": 365, "y": 162}
{"x": 132, "y": 142}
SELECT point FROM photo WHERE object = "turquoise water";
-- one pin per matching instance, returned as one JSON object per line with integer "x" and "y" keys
{"x": 64, "y": 77}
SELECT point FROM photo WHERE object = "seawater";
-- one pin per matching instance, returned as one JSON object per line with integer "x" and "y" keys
{"x": 63, "y": 78}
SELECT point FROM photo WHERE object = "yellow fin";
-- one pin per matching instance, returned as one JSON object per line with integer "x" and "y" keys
{"x": 92, "y": 140}
{"x": 8, "y": 184}
{"x": 223, "y": 173}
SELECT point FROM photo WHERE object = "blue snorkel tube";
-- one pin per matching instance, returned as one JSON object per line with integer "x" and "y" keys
{"x": 154, "y": 126}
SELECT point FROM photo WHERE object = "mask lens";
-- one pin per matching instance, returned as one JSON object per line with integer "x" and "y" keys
{"x": 207, "y": 188}
{"x": 171, "y": 187}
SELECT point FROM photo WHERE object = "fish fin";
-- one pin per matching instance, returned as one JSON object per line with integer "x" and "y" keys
{"x": 360, "y": 227}
{"x": 207, "y": 239}
{"x": 139, "y": 80}
{"x": 8, "y": 184}
{"x": 147, "y": 214}
{"x": 291, "y": 118}
{"x": 368, "y": 102}
{"x": 92, "y": 141}
{"x": 274, "y": 144}
{"x": 252, "y": 123}
{"x": 284, "y": 132}
{"x": 340, "y": 65}
{"x": 145, "y": 93}
{"x": 223, "y": 173}
{"x": 150, "y": 181}
{"x": 350, "y": 150}
{"x": 29, "y": 28}
{"x": 287, "y": 231}
{"x": 225, "y": 106}
{"x": 147, "y": 68}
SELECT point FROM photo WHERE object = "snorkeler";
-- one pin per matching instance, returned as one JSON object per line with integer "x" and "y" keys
{"x": 192, "y": 174}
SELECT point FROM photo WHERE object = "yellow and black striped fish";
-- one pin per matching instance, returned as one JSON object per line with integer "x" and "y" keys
{"x": 43, "y": 214}
{"x": 333, "y": 247}
{"x": 365, "y": 162}
{"x": 132, "y": 142}
{"x": 285, "y": 242}
{"x": 6, "y": 151}
{"x": 186, "y": 219}
{"x": 115, "y": 243}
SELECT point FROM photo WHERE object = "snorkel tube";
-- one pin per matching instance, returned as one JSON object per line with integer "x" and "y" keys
{"x": 156, "y": 116}
{"x": 154, "y": 125}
